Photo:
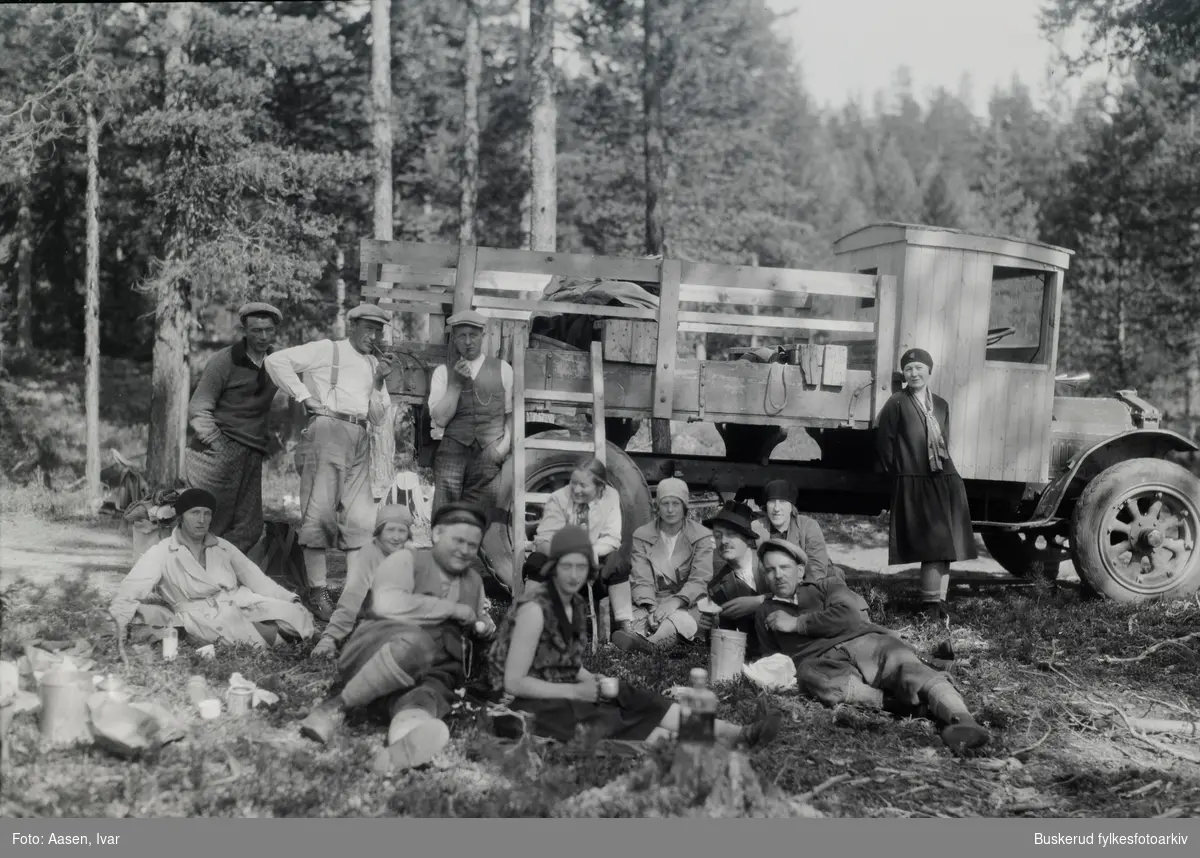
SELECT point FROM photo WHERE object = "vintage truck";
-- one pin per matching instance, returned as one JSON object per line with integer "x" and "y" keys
{"x": 615, "y": 342}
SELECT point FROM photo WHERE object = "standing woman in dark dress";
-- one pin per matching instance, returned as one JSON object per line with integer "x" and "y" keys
{"x": 930, "y": 521}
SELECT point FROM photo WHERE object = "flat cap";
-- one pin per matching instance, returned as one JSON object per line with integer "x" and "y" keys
{"x": 369, "y": 313}
{"x": 467, "y": 317}
{"x": 789, "y": 548}
{"x": 259, "y": 308}
{"x": 460, "y": 513}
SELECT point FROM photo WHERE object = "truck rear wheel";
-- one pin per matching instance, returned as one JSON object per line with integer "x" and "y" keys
{"x": 1024, "y": 554}
{"x": 1134, "y": 531}
{"x": 548, "y": 470}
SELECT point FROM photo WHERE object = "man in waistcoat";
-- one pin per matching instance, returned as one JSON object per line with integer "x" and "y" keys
{"x": 407, "y": 653}
{"x": 470, "y": 409}
{"x": 342, "y": 390}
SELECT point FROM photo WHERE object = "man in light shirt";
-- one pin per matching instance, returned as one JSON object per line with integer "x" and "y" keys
{"x": 342, "y": 390}
{"x": 470, "y": 409}
{"x": 738, "y": 584}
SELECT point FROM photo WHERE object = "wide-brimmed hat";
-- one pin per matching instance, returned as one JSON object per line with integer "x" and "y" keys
{"x": 736, "y": 516}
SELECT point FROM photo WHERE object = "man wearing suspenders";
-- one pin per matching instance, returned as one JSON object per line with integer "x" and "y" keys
{"x": 342, "y": 390}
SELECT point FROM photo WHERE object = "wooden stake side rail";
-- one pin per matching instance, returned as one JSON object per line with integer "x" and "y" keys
{"x": 406, "y": 262}
{"x": 736, "y": 392}
{"x": 655, "y": 381}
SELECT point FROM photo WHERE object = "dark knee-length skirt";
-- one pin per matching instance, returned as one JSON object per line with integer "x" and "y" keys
{"x": 631, "y": 716}
{"x": 931, "y": 520}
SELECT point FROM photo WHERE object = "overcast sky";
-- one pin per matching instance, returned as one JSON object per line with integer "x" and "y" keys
{"x": 853, "y": 47}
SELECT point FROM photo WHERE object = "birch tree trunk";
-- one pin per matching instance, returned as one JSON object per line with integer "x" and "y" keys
{"x": 652, "y": 137}
{"x": 473, "y": 68}
{"x": 381, "y": 115}
{"x": 543, "y": 121}
{"x": 1193, "y": 386}
{"x": 383, "y": 435}
{"x": 652, "y": 146}
{"x": 91, "y": 326}
{"x": 174, "y": 317}
{"x": 24, "y": 264}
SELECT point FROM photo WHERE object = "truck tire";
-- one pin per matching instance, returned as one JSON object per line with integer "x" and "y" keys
{"x": 1030, "y": 556}
{"x": 547, "y": 470}
{"x": 1134, "y": 531}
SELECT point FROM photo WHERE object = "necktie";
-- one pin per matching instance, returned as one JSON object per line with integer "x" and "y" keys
{"x": 581, "y": 515}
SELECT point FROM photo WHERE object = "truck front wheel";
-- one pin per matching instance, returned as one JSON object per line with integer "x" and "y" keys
{"x": 1134, "y": 531}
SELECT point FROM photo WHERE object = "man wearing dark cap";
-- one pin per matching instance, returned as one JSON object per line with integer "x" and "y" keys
{"x": 407, "y": 653}
{"x": 342, "y": 390}
{"x": 782, "y": 521}
{"x": 228, "y": 416}
{"x": 470, "y": 408}
{"x": 738, "y": 585}
{"x": 842, "y": 657}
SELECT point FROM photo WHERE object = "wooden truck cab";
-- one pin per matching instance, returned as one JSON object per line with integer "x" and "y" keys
{"x": 987, "y": 310}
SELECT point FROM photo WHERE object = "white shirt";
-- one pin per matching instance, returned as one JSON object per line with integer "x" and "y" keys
{"x": 744, "y": 570}
{"x": 355, "y": 393}
{"x": 438, "y": 384}
{"x": 670, "y": 542}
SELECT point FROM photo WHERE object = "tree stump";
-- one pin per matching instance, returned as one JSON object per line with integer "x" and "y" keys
{"x": 701, "y": 782}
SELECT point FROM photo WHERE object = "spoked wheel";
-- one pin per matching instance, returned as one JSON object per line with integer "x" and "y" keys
{"x": 1134, "y": 532}
{"x": 1030, "y": 555}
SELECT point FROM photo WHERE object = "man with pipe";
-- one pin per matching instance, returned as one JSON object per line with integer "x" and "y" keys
{"x": 342, "y": 390}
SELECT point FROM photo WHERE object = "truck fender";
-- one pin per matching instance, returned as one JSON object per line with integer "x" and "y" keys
{"x": 1134, "y": 444}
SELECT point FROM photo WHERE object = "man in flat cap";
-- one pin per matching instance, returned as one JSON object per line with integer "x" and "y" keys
{"x": 842, "y": 657}
{"x": 406, "y": 654}
{"x": 470, "y": 409}
{"x": 342, "y": 390}
{"x": 470, "y": 406}
{"x": 228, "y": 416}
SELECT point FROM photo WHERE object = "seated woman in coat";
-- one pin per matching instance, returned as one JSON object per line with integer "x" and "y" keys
{"x": 589, "y": 502}
{"x": 211, "y": 590}
{"x": 672, "y": 565}
{"x": 536, "y": 663}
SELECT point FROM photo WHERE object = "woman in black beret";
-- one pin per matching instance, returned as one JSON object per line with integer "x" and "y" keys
{"x": 930, "y": 520}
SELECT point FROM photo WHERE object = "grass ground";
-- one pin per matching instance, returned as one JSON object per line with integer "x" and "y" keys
{"x": 1035, "y": 665}
{"x": 1052, "y": 675}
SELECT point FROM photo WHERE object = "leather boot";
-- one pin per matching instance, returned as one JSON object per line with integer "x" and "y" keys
{"x": 629, "y": 641}
{"x": 765, "y": 728}
{"x": 320, "y": 603}
{"x": 960, "y": 730}
{"x": 324, "y": 721}
{"x": 415, "y": 737}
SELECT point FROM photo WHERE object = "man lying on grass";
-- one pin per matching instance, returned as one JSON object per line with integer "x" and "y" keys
{"x": 536, "y": 665}
{"x": 842, "y": 657}
{"x": 407, "y": 653}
